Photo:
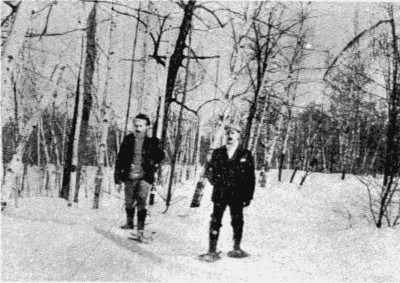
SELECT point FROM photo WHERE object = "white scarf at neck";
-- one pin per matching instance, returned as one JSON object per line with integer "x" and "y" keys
{"x": 231, "y": 148}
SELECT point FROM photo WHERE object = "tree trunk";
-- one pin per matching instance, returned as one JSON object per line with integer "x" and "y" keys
{"x": 391, "y": 165}
{"x": 271, "y": 150}
{"x": 105, "y": 123}
{"x": 81, "y": 143}
{"x": 38, "y": 150}
{"x": 175, "y": 62}
{"x": 284, "y": 150}
{"x": 13, "y": 43}
{"x": 259, "y": 126}
{"x": 88, "y": 88}
{"x": 9, "y": 55}
{"x": 74, "y": 141}
{"x": 178, "y": 136}
{"x": 45, "y": 167}
{"x": 294, "y": 174}
{"x": 132, "y": 72}
{"x": 247, "y": 140}
{"x": 68, "y": 160}
{"x": 16, "y": 113}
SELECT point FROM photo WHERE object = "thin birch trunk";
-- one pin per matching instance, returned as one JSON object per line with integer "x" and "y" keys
{"x": 198, "y": 145}
{"x": 38, "y": 150}
{"x": 9, "y": 57}
{"x": 284, "y": 150}
{"x": 271, "y": 150}
{"x": 12, "y": 44}
{"x": 56, "y": 148}
{"x": 259, "y": 126}
{"x": 132, "y": 72}
{"x": 323, "y": 160}
{"x": 45, "y": 167}
{"x": 75, "y": 146}
{"x": 105, "y": 122}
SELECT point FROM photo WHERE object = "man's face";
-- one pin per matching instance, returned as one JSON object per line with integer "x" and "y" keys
{"x": 139, "y": 127}
{"x": 232, "y": 136}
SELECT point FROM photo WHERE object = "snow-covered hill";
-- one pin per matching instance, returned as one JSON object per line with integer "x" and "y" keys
{"x": 317, "y": 232}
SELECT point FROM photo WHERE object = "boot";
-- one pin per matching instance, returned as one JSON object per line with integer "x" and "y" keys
{"x": 212, "y": 245}
{"x": 129, "y": 219}
{"x": 237, "y": 251}
{"x": 141, "y": 219}
{"x": 212, "y": 254}
{"x": 237, "y": 238}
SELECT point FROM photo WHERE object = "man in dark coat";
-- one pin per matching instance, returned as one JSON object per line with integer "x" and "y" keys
{"x": 231, "y": 172}
{"x": 137, "y": 161}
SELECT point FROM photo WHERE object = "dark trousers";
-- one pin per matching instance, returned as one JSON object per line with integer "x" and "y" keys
{"x": 236, "y": 210}
{"x": 136, "y": 192}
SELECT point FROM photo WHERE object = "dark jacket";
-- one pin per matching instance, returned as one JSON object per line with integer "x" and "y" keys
{"x": 234, "y": 179}
{"x": 152, "y": 155}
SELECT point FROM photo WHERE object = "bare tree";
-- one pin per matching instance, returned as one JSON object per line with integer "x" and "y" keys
{"x": 385, "y": 51}
{"x": 90, "y": 58}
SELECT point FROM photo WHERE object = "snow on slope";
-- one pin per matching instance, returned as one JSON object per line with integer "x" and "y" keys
{"x": 317, "y": 232}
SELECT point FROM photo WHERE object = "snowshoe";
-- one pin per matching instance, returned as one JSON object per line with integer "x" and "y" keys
{"x": 238, "y": 254}
{"x": 141, "y": 238}
{"x": 210, "y": 256}
{"x": 127, "y": 226}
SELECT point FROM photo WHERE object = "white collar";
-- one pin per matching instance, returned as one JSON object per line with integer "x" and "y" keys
{"x": 231, "y": 148}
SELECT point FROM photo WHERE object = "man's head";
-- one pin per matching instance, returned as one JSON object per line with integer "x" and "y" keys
{"x": 232, "y": 133}
{"x": 140, "y": 125}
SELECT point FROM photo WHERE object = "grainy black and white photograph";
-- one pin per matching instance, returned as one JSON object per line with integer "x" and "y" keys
{"x": 200, "y": 141}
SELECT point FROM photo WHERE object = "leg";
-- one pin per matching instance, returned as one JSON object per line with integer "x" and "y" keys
{"x": 141, "y": 198}
{"x": 129, "y": 204}
{"x": 215, "y": 225}
{"x": 237, "y": 224}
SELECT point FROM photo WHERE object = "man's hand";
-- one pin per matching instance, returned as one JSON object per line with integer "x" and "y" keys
{"x": 246, "y": 203}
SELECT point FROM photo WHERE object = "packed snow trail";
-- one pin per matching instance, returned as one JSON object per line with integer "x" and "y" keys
{"x": 317, "y": 232}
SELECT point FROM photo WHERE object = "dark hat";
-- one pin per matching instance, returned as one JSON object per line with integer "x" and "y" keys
{"x": 142, "y": 116}
{"x": 232, "y": 126}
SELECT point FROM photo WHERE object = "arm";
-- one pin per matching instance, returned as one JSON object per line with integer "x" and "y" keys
{"x": 252, "y": 177}
{"x": 210, "y": 168}
{"x": 158, "y": 152}
{"x": 118, "y": 162}
{"x": 250, "y": 180}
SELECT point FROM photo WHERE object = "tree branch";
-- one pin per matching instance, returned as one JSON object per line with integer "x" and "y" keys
{"x": 159, "y": 59}
{"x": 14, "y": 9}
{"x": 125, "y": 6}
{"x": 133, "y": 60}
{"x": 208, "y": 101}
{"x": 222, "y": 25}
{"x": 201, "y": 57}
{"x": 47, "y": 21}
{"x": 63, "y": 32}
{"x": 11, "y": 5}
{"x": 132, "y": 16}
{"x": 183, "y": 106}
{"x": 352, "y": 42}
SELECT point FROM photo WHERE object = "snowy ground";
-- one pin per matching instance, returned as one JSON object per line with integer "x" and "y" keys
{"x": 317, "y": 232}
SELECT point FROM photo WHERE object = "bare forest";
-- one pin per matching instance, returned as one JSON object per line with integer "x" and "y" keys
{"x": 75, "y": 73}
